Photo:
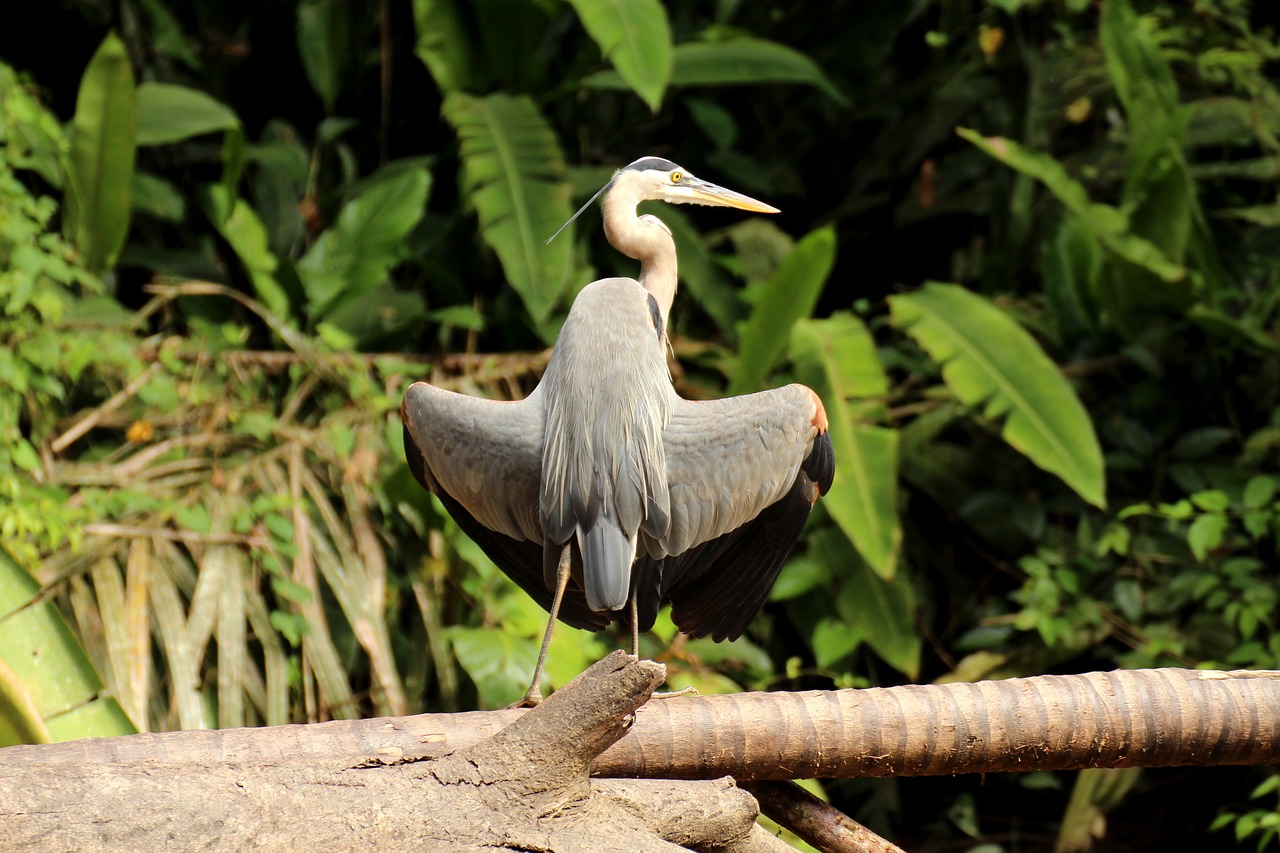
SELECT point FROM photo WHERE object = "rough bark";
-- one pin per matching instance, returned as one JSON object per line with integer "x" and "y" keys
{"x": 519, "y": 780}
{"x": 1129, "y": 718}
{"x": 525, "y": 788}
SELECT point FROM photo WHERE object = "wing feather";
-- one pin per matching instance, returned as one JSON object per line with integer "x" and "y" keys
{"x": 483, "y": 459}
{"x": 485, "y": 454}
{"x": 744, "y": 474}
{"x": 729, "y": 459}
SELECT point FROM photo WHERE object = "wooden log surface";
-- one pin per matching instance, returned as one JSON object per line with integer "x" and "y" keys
{"x": 1127, "y": 718}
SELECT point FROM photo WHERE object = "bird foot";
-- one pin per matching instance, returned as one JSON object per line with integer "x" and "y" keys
{"x": 531, "y": 699}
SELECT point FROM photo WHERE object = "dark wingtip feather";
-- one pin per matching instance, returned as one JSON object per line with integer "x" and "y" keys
{"x": 728, "y": 580}
{"x": 417, "y": 463}
{"x": 820, "y": 464}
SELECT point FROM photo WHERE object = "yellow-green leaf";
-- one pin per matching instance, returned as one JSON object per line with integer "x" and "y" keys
{"x": 635, "y": 37}
{"x": 789, "y": 295}
{"x": 989, "y": 360}
{"x": 103, "y": 134}
{"x": 48, "y": 688}
{"x": 514, "y": 172}
{"x": 837, "y": 357}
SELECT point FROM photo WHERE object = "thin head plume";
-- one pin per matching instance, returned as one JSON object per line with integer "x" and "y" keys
{"x": 590, "y": 201}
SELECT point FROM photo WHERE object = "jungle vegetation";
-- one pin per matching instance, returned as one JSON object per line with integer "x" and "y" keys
{"x": 1028, "y": 255}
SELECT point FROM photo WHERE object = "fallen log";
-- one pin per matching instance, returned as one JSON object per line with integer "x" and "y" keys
{"x": 519, "y": 780}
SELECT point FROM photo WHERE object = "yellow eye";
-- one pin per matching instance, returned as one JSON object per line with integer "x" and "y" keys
{"x": 676, "y": 177}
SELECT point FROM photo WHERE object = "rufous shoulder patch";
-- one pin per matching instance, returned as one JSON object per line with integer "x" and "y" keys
{"x": 819, "y": 412}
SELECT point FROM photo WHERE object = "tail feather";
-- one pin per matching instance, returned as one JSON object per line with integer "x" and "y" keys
{"x": 607, "y": 553}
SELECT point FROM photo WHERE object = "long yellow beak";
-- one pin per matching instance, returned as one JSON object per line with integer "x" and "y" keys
{"x": 705, "y": 192}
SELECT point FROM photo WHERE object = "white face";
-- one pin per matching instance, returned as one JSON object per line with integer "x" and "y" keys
{"x": 662, "y": 185}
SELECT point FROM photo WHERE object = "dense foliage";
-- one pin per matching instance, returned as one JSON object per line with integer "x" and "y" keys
{"x": 1027, "y": 256}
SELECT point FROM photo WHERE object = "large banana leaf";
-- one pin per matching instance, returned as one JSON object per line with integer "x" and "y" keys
{"x": 102, "y": 153}
{"x": 988, "y": 359}
{"x": 49, "y": 691}
{"x": 635, "y": 36}
{"x": 837, "y": 357}
{"x": 514, "y": 172}
{"x": 735, "y": 62}
{"x": 789, "y": 295}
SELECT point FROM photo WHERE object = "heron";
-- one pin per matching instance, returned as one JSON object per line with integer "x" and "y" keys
{"x": 604, "y": 488}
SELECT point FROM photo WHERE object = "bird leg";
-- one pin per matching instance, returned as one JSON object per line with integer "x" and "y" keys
{"x": 635, "y": 653}
{"x": 635, "y": 628}
{"x": 533, "y": 695}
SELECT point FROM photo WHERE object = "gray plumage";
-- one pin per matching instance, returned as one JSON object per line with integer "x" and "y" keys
{"x": 657, "y": 497}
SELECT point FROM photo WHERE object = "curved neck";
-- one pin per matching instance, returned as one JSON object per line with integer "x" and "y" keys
{"x": 645, "y": 239}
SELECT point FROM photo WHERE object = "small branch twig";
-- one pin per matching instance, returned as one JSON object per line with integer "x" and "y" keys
{"x": 116, "y": 400}
{"x": 125, "y": 531}
{"x": 823, "y": 826}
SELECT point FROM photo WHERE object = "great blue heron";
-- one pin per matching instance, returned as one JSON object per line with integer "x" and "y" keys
{"x": 603, "y": 475}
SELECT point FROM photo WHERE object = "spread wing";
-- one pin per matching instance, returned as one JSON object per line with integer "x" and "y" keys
{"x": 483, "y": 458}
{"x": 743, "y": 475}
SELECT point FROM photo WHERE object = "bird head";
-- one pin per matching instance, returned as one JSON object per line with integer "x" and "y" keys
{"x": 656, "y": 179}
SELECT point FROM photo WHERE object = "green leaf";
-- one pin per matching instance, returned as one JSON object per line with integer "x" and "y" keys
{"x": 1071, "y": 266}
{"x": 842, "y": 346}
{"x": 444, "y": 45}
{"x": 242, "y": 228}
{"x": 1264, "y": 215}
{"x": 1211, "y": 500}
{"x": 837, "y": 357}
{"x": 739, "y": 61}
{"x": 787, "y": 297}
{"x": 881, "y": 612}
{"x": 169, "y": 113}
{"x": 1232, "y": 328}
{"x": 798, "y": 576}
{"x": 1260, "y": 491}
{"x": 635, "y": 36}
{"x": 1205, "y": 534}
{"x": 500, "y": 664}
{"x": 988, "y": 359}
{"x": 103, "y": 134}
{"x": 354, "y": 255}
{"x": 165, "y": 36}
{"x": 1141, "y": 75}
{"x": 514, "y": 173}
{"x": 156, "y": 197}
{"x": 1109, "y": 224}
{"x": 832, "y": 640}
{"x": 324, "y": 44}
{"x": 48, "y": 688}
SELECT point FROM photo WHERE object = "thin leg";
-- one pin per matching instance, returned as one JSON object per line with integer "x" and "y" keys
{"x": 635, "y": 628}
{"x": 635, "y": 651}
{"x": 533, "y": 695}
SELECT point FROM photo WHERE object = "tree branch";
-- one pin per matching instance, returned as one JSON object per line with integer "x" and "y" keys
{"x": 1128, "y": 718}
